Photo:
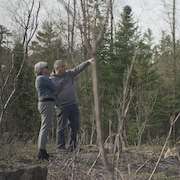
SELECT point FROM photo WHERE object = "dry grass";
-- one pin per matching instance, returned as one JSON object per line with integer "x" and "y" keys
{"x": 65, "y": 166}
{"x": 19, "y": 153}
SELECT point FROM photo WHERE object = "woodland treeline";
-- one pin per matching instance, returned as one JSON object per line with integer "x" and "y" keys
{"x": 138, "y": 78}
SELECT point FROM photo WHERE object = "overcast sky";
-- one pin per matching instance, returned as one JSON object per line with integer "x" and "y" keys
{"x": 148, "y": 13}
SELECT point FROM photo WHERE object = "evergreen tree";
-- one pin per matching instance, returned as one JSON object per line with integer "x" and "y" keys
{"x": 114, "y": 64}
{"x": 146, "y": 89}
{"x": 48, "y": 44}
{"x": 107, "y": 87}
{"x": 112, "y": 70}
{"x": 166, "y": 102}
{"x": 125, "y": 41}
{"x": 24, "y": 106}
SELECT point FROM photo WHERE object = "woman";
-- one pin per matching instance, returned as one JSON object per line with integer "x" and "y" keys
{"x": 46, "y": 100}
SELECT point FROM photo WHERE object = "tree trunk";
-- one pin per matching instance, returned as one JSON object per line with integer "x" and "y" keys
{"x": 98, "y": 120}
{"x": 174, "y": 64}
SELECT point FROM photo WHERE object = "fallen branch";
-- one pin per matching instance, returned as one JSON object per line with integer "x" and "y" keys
{"x": 94, "y": 163}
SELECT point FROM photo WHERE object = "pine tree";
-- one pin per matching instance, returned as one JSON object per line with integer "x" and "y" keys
{"x": 113, "y": 64}
{"x": 48, "y": 44}
{"x": 107, "y": 87}
{"x": 126, "y": 37}
{"x": 146, "y": 88}
{"x": 24, "y": 106}
{"x": 166, "y": 102}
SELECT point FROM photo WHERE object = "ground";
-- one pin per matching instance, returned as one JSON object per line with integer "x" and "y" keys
{"x": 135, "y": 163}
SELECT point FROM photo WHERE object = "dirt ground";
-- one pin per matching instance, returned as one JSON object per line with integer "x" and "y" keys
{"x": 134, "y": 163}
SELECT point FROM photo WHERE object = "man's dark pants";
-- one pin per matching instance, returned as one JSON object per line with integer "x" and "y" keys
{"x": 69, "y": 116}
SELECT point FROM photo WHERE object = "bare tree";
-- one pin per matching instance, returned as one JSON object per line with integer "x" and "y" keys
{"x": 73, "y": 29}
{"x": 92, "y": 27}
{"x": 171, "y": 13}
{"x": 29, "y": 25}
{"x": 144, "y": 107}
{"x": 111, "y": 22}
{"x": 174, "y": 62}
{"x": 122, "y": 111}
{"x": 173, "y": 120}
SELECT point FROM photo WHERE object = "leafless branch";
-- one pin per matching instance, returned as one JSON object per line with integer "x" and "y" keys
{"x": 9, "y": 74}
{"x": 25, "y": 43}
{"x": 172, "y": 122}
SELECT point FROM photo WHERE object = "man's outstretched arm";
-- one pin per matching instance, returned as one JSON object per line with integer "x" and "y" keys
{"x": 78, "y": 69}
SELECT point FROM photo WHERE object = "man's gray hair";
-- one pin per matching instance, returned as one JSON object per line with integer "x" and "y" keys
{"x": 58, "y": 63}
{"x": 39, "y": 66}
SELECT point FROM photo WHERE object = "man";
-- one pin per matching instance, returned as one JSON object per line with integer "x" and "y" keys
{"x": 67, "y": 102}
{"x": 46, "y": 90}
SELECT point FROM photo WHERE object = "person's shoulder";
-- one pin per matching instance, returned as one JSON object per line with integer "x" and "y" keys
{"x": 41, "y": 78}
{"x": 68, "y": 72}
{"x": 54, "y": 77}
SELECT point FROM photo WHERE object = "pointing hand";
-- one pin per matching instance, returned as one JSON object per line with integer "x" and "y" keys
{"x": 91, "y": 60}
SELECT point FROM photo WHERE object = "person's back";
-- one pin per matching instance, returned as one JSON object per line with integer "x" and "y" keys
{"x": 67, "y": 95}
{"x": 46, "y": 97}
{"x": 45, "y": 88}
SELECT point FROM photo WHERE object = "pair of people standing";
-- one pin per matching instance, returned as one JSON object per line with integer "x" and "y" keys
{"x": 57, "y": 90}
